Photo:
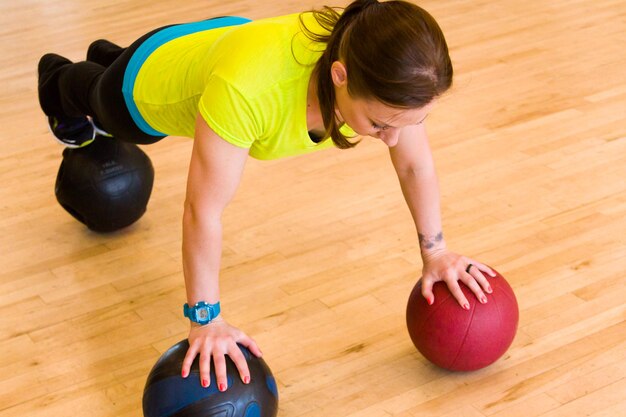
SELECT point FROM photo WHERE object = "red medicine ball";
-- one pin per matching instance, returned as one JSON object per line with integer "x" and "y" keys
{"x": 461, "y": 340}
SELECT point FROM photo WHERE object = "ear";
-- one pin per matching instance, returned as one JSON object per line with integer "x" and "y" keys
{"x": 339, "y": 73}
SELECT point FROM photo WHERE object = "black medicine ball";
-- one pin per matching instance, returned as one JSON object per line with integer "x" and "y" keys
{"x": 105, "y": 185}
{"x": 168, "y": 394}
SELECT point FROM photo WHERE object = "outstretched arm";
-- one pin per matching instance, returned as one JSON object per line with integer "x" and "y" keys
{"x": 215, "y": 171}
{"x": 413, "y": 162}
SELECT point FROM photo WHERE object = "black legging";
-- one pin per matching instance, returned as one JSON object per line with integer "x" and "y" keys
{"x": 94, "y": 88}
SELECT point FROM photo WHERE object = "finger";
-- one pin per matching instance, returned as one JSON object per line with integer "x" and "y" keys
{"x": 205, "y": 367}
{"x": 240, "y": 362}
{"x": 189, "y": 357}
{"x": 471, "y": 283}
{"x": 483, "y": 268}
{"x": 477, "y": 274}
{"x": 457, "y": 293}
{"x": 252, "y": 346}
{"x": 220, "y": 371}
{"x": 427, "y": 291}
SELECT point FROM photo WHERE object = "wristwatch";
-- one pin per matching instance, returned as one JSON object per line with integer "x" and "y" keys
{"x": 202, "y": 312}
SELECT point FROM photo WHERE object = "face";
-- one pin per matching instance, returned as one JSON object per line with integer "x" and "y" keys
{"x": 370, "y": 117}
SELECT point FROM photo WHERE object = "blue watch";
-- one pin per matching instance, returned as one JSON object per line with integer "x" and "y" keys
{"x": 202, "y": 313}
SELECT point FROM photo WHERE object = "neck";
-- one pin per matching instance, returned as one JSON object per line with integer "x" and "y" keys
{"x": 315, "y": 122}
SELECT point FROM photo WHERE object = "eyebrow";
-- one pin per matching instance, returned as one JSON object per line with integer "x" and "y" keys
{"x": 387, "y": 125}
{"x": 380, "y": 123}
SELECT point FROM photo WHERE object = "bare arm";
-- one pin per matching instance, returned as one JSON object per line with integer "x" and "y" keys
{"x": 413, "y": 162}
{"x": 214, "y": 174}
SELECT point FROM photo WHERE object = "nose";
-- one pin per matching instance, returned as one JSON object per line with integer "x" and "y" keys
{"x": 390, "y": 137}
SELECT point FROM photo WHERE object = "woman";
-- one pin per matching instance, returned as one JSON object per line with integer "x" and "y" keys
{"x": 272, "y": 88}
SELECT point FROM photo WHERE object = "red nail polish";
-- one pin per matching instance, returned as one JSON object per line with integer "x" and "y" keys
{"x": 483, "y": 299}
{"x": 205, "y": 383}
{"x": 430, "y": 301}
{"x": 222, "y": 387}
{"x": 489, "y": 290}
{"x": 466, "y": 306}
{"x": 184, "y": 374}
{"x": 246, "y": 379}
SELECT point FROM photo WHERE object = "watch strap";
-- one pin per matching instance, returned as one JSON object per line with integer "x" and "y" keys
{"x": 202, "y": 312}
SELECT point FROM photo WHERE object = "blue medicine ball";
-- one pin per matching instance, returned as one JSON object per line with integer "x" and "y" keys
{"x": 168, "y": 394}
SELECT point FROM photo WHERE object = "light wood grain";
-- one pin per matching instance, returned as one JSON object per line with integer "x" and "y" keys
{"x": 320, "y": 253}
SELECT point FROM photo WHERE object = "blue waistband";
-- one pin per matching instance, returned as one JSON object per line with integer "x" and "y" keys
{"x": 150, "y": 45}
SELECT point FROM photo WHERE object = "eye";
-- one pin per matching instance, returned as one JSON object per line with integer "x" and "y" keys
{"x": 378, "y": 127}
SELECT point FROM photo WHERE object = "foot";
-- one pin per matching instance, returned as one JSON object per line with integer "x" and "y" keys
{"x": 73, "y": 132}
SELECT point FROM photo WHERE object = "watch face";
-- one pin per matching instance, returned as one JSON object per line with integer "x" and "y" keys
{"x": 203, "y": 313}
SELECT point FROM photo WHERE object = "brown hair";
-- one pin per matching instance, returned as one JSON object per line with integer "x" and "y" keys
{"x": 394, "y": 51}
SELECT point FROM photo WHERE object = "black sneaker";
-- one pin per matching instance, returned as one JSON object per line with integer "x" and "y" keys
{"x": 73, "y": 132}
{"x": 99, "y": 129}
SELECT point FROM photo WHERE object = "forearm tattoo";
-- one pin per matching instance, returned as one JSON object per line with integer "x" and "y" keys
{"x": 429, "y": 242}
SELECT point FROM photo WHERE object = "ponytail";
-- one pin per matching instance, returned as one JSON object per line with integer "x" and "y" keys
{"x": 337, "y": 24}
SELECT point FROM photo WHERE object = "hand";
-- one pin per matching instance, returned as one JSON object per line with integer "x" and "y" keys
{"x": 451, "y": 268}
{"x": 218, "y": 339}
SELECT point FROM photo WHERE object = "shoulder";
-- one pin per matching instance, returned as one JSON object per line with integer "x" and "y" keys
{"x": 265, "y": 51}
{"x": 262, "y": 38}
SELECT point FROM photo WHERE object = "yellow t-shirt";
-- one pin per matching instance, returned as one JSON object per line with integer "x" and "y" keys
{"x": 249, "y": 82}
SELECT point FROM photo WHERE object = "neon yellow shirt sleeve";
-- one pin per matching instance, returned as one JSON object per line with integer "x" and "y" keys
{"x": 228, "y": 113}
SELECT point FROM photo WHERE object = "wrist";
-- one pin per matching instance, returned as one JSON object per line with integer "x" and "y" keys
{"x": 219, "y": 319}
{"x": 428, "y": 256}
{"x": 431, "y": 244}
{"x": 202, "y": 312}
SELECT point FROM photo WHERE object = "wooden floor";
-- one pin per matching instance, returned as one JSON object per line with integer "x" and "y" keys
{"x": 320, "y": 251}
